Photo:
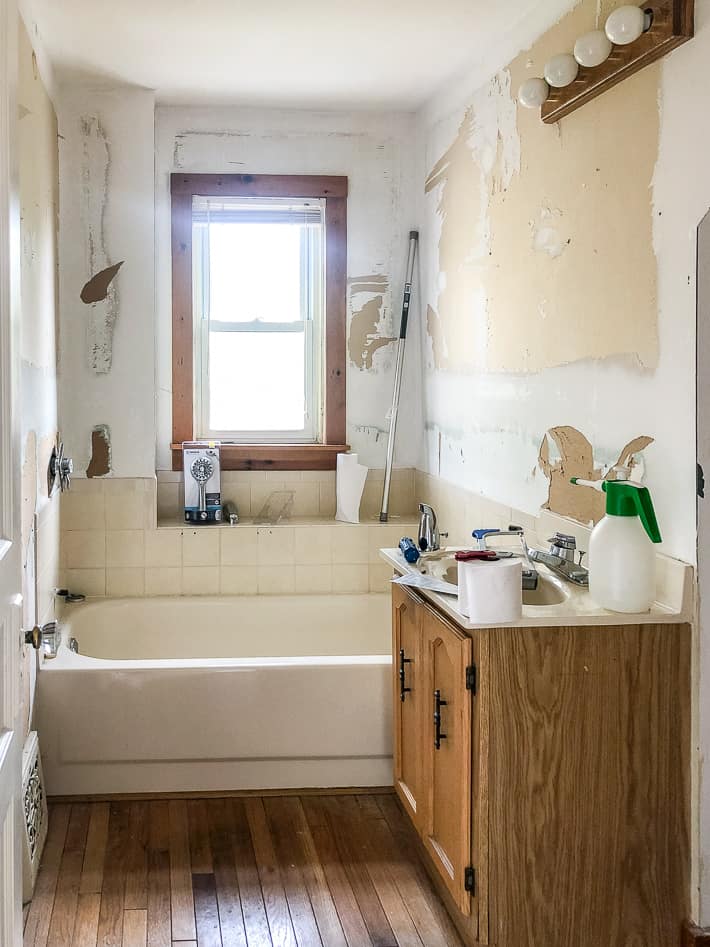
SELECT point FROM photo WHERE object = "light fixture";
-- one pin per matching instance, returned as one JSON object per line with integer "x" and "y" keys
{"x": 561, "y": 70}
{"x": 626, "y": 24}
{"x": 533, "y": 92}
{"x": 592, "y": 49}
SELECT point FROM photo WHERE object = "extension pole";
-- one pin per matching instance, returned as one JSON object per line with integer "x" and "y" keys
{"x": 401, "y": 341}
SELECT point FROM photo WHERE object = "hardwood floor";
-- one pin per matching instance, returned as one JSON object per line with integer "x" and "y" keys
{"x": 286, "y": 871}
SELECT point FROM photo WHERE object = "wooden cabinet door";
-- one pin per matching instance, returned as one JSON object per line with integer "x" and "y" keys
{"x": 446, "y": 751}
{"x": 408, "y": 700}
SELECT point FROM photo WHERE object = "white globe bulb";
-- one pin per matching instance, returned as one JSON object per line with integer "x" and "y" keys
{"x": 592, "y": 49}
{"x": 561, "y": 70}
{"x": 533, "y": 92}
{"x": 625, "y": 25}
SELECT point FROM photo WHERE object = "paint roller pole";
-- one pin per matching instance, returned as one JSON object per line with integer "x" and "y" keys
{"x": 413, "y": 240}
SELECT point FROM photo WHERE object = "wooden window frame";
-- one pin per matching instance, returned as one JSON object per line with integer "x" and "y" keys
{"x": 333, "y": 190}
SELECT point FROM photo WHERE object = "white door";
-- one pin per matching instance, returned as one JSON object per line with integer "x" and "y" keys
{"x": 10, "y": 558}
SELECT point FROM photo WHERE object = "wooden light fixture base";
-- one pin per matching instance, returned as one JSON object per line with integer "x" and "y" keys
{"x": 671, "y": 26}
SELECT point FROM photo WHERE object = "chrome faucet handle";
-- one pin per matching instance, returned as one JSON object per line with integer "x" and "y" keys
{"x": 563, "y": 545}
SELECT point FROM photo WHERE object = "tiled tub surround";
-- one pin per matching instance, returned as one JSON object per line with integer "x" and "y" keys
{"x": 313, "y": 492}
{"x": 111, "y": 547}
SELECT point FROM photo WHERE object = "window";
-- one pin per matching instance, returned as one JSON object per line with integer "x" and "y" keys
{"x": 259, "y": 318}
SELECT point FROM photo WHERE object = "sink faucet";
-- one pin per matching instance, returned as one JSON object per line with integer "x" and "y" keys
{"x": 429, "y": 534}
{"x": 560, "y": 559}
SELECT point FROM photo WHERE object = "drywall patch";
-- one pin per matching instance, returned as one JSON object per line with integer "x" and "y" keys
{"x": 95, "y": 173}
{"x": 369, "y": 323}
{"x": 575, "y": 458}
{"x": 550, "y": 234}
{"x": 96, "y": 289}
{"x": 100, "y": 462}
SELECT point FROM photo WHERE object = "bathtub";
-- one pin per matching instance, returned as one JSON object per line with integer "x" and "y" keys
{"x": 209, "y": 694}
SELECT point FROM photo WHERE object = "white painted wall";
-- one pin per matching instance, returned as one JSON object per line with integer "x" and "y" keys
{"x": 376, "y": 152}
{"x": 492, "y": 424}
{"x": 483, "y": 430}
{"x": 107, "y": 215}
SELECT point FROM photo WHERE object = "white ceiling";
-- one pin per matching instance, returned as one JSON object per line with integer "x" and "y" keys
{"x": 382, "y": 54}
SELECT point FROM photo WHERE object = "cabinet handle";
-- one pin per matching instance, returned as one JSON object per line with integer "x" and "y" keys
{"x": 402, "y": 661}
{"x": 438, "y": 704}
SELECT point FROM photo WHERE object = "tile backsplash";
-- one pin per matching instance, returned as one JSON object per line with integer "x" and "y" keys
{"x": 112, "y": 544}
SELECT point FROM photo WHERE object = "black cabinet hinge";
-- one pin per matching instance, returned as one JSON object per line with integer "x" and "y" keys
{"x": 469, "y": 880}
{"x": 471, "y": 678}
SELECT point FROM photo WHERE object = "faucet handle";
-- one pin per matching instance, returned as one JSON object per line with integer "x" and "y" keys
{"x": 563, "y": 541}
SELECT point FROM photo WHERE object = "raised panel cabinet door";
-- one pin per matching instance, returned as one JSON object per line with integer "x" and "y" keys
{"x": 407, "y": 694}
{"x": 446, "y": 751}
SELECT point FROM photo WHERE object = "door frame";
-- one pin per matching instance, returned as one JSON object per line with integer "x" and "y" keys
{"x": 11, "y": 726}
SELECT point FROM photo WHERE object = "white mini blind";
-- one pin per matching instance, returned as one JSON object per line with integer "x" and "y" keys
{"x": 235, "y": 210}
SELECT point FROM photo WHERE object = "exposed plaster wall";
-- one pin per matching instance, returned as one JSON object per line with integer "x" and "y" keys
{"x": 38, "y": 181}
{"x": 107, "y": 344}
{"x": 485, "y": 425}
{"x": 556, "y": 293}
{"x": 374, "y": 152}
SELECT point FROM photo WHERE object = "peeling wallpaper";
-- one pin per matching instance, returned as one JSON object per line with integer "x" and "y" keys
{"x": 372, "y": 150}
{"x": 558, "y": 267}
{"x": 38, "y": 189}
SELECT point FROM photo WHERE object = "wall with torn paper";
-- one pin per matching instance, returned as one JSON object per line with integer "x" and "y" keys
{"x": 106, "y": 266}
{"x": 559, "y": 277}
{"x": 38, "y": 190}
{"x": 371, "y": 149}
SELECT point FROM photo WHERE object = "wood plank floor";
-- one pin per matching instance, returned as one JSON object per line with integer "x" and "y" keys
{"x": 286, "y": 871}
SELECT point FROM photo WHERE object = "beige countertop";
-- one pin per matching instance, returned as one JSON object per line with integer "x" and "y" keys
{"x": 673, "y": 590}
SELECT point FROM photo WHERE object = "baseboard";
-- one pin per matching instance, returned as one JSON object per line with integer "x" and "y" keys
{"x": 222, "y": 794}
{"x": 694, "y": 936}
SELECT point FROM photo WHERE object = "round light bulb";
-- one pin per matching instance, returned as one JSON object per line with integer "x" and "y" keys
{"x": 561, "y": 70}
{"x": 533, "y": 92}
{"x": 625, "y": 25}
{"x": 592, "y": 49}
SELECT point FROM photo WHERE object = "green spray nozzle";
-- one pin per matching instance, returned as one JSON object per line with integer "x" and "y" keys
{"x": 629, "y": 499}
{"x": 625, "y": 498}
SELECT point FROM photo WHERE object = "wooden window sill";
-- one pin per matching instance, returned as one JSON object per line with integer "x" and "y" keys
{"x": 272, "y": 456}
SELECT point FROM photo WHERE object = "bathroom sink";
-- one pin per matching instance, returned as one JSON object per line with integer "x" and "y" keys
{"x": 549, "y": 591}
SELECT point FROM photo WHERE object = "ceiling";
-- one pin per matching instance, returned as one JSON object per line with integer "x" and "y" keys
{"x": 380, "y": 54}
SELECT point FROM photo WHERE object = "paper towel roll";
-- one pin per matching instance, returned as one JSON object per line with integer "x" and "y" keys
{"x": 350, "y": 479}
{"x": 491, "y": 592}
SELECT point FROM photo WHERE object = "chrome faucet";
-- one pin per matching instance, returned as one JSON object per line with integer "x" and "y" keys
{"x": 429, "y": 534}
{"x": 560, "y": 559}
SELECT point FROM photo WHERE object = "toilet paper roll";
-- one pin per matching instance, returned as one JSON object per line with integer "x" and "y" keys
{"x": 491, "y": 592}
{"x": 350, "y": 479}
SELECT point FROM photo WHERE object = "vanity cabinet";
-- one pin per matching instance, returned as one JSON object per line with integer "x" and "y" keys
{"x": 546, "y": 772}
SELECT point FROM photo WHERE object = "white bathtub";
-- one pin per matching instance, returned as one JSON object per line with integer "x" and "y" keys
{"x": 179, "y": 694}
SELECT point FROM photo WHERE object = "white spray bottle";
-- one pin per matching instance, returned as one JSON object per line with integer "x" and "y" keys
{"x": 622, "y": 561}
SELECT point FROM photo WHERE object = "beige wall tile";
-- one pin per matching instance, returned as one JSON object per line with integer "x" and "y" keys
{"x": 84, "y": 549}
{"x": 163, "y": 581}
{"x": 200, "y": 580}
{"x": 321, "y": 476}
{"x": 90, "y": 582}
{"x": 83, "y": 510}
{"x": 283, "y": 476}
{"x": 276, "y": 580}
{"x": 86, "y": 485}
{"x": 326, "y": 499}
{"x": 239, "y": 494}
{"x": 163, "y": 548}
{"x": 387, "y": 536}
{"x": 238, "y": 546}
{"x": 313, "y": 545}
{"x": 314, "y": 579}
{"x": 238, "y": 580}
{"x": 275, "y": 545}
{"x": 350, "y": 578}
{"x": 200, "y": 547}
{"x": 125, "y": 547}
{"x": 306, "y": 501}
{"x": 380, "y": 577}
{"x": 350, "y": 544}
{"x": 168, "y": 500}
{"x": 126, "y": 511}
{"x": 125, "y": 582}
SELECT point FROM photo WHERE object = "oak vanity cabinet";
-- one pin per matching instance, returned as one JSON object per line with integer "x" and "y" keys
{"x": 546, "y": 772}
